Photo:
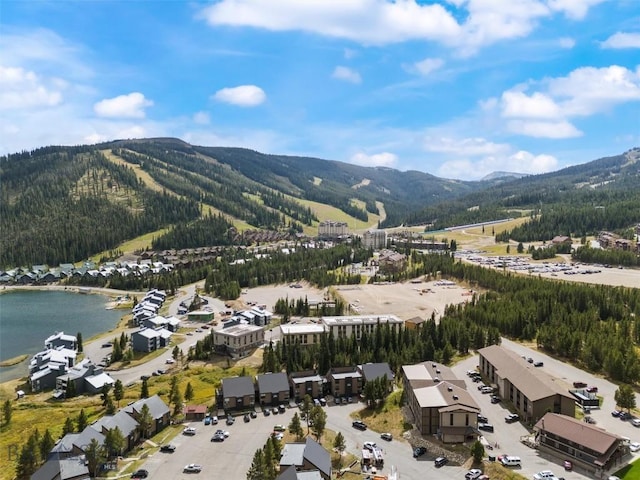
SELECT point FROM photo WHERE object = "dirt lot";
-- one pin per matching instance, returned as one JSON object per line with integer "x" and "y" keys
{"x": 406, "y": 300}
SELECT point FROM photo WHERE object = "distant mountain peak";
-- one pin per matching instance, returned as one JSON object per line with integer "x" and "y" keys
{"x": 506, "y": 175}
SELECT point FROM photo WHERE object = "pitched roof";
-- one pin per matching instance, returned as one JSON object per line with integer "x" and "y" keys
{"x": 582, "y": 433}
{"x": 444, "y": 394}
{"x": 273, "y": 382}
{"x": 157, "y": 408}
{"x": 426, "y": 374}
{"x": 122, "y": 420}
{"x": 62, "y": 469}
{"x": 531, "y": 381}
{"x": 371, "y": 371}
{"x": 237, "y": 387}
{"x": 315, "y": 454}
{"x": 98, "y": 381}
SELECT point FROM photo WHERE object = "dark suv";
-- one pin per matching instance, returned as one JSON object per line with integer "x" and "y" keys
{"x": 359, "y": 425}
{"x": 140, "y": 474}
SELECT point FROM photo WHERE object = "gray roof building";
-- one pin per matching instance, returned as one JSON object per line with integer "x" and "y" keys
{"x": 237, "y": 387}
{"x": 72, "y": 468}
{"x": 371, "y": 371}
{"x": 309, "y": 456}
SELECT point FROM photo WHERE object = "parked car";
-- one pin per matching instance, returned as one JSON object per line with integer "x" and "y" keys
{"x": 485, "y": 427}
{"x": 568, "y": 465}
{"x": 282, "y": 408}
{"x": 189, "y": 431}
{"x": 214, "y": 420}
{"x": 279, "y": 428}
{"x": 246, "y": 418}
{"x": 168, "y": 448}
{"x": 230, "y": 420}
{"x": 440, "y": 461}
{"x": 140, "y": 474}
{"x": 486, "y": 389}
{"x": 530, "y": 360}
{"x": 592, "y": 389}
{"x": 615, "y": 413}
{"x": 545, "y": 475}
{"x": 253, "y": 414}
{"x": 369, "y": 445}
{"x": 495, "y": 399}
{"x": 278, "y": 435}
{"x": 207, "y": 420}
{"x": 359, "y": 425}
{"x": 482, "y": 419}
{"x": 169, "y": 361}
{"x": 473, "y": 474}
{"x": 579, "y": 385}
{"x": 538, "y": 364}
{"x": 634, "y": 446}
{"x": 592, "y": 420}
{"x": 266, "y": 412}
{"x": 217, "y": 437}
{"x": 512, "y": 417}
{"x": 192, "y": 468}
{"x": 624, "y": 416}
{"x": 419, "y": 451}
{"x": 386, "y": 436}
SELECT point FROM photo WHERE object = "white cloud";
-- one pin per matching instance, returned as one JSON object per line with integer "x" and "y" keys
{"x": 574, "y": 9}
{"x": 538, "y": 105}
{"x": 349, "y": 53}
{"x": 201, "y": 118}
{"x": 242, "y": 96}
{"x": 567, "y": 42}
{"x": 464, "y": 147}
{"x": 347, "y": 74}
{"x": 384, "y": 159}
{"x": 622, "y": 40}
{"x": 590, "y": 90}
{"x": 427, "y": 66}
{"x": 22, "y": 89}
{"x": 131, "y": 105}
{"x": 474, "y": 158}
{"x": 544, "y": 129}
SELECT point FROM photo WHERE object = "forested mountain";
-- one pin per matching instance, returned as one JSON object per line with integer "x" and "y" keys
{"x": 580, "y": 200}
{"x": 64, "y": 204}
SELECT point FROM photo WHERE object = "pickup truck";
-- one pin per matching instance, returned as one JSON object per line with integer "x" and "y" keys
{"x": 579, "y": 385}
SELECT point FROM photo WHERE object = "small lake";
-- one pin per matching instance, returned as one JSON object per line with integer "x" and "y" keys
{"x": 28, "y": 317}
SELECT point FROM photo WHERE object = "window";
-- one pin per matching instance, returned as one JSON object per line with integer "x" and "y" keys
{"x": 466, "y": 419}
{"x": 451, "y": 419}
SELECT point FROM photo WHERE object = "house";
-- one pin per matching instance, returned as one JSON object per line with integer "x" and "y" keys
{"x": 238, "y": 393}
{"x": 391, "y": 262}
{"x": 346, "y": 326}
{"x": 290, "y": 473}
{"x": 344, "y": 381}
{"x": 306, "y": 457}
{"x": 273, "y": 388}
{"x": 561, "y": 240}
{"x": 200, "y": 316}
{"x": 45, "y": 378}
{"x": 414, "y": 323}
{"x": 302, "y": 333}
{"x": 86, "y": 377}
{"x": 440, "y": 407}
{"x": 127, "y": 425}
{"x": 59, "y": 339}
{"x": 158, "y": 410}
{"x": 93, "y": 383}
{"x": 306, "y": 383}
{"x": 74, "y": 444}
{"x": 194, "y": 412}
{"x": 71, "y": 468}
{"x": 149, "y": 339}
{"x": 531, "y": 391}
{"x": 589, "y": 447}
{"x": 237, "y": 340}
{"x": 374, "y": 371}
{"x": 375, "y": 239}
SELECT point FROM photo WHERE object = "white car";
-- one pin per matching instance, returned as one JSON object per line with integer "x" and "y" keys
{"x": 369, "y": 445}
{"x": 189, "y": 431}
{"x": 170, "y": 361}
{"x": 545, "y": 475}
{"x": 473, "y": 474}
{"x": 634, "y": 446}
{"x": 192, "y": 468}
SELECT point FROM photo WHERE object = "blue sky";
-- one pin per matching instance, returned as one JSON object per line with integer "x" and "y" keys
{"x": 454, "y": 88}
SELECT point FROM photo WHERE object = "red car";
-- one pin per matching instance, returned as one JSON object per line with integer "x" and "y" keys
{"x": 568, "y": 466}
{"x": 592, "y": 389}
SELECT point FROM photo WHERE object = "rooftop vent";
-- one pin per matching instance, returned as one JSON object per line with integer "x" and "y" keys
{"x": 436, "y": 380}
{"x": 455, "y": 397}
{"x": 450, "y": 389}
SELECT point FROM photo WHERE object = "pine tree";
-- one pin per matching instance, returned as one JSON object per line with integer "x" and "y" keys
{"x": 79, "y": 342}
{"x": 82, "y": 421}
{"x": 104, "y": 395}
{"x": 145, "y": 420}
{"x": 257, "y": 469}
{"x": 96, "y": 455}
{"x": 295, "y": 427}
{"x": 70, "y": 391}
{"x": 144, "y": 390}
{"x": 188, "y": 392}
{"x": 28, "y": 459}
{"x": 7, "y": 411}
{"x": 118, "y": 391}
{"x": 340, "y": 445}
{"x": 68, "y": 426}
{"x": 46, "y": 444}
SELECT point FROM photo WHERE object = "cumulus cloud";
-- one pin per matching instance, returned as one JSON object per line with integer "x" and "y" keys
{"x": 242, "y": 96}
{"x": 131, "y": 105}
{"x": 622, "y": 40}
{"x": 384, "y": 159}
{"x": 201, "y": 118}
{"x": 574, "y": 9}
{"x": 537, "y": 105}
{"x": 464, "y": 147}
{"x": 347, "y": 74}
{"x": 427, "y": 66}
{"x": 540, "y": 129}
{"x": 567, "y": 42}
{"x": 22, "y": 89}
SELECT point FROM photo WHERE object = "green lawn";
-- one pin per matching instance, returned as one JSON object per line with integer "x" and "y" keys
{"x": 630, "y": 472}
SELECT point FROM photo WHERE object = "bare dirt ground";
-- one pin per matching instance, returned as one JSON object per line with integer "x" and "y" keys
{"x": 405, "y": 300}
